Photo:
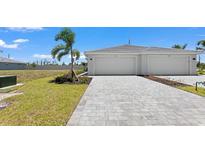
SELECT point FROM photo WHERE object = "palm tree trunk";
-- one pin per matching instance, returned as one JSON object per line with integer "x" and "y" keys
{"x": 73, "y": 74}
{"x": 72, "y": 60}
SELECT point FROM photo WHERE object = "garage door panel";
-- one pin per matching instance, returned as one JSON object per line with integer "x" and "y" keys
{"x": 115, "y": 65}
{"x": 167, "y": 64}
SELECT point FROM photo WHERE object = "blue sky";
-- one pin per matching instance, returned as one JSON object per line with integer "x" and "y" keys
{"x": 31, "y": 44}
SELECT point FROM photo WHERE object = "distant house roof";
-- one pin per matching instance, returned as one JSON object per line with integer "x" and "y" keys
{"x": 7, "y": 60}
{"x": 132, "y": 49}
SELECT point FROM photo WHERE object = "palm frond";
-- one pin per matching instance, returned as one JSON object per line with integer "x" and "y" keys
{"x": 178, "y": 46}
{"x": 76, "y": 54}
{"x": 202, "y": 43}
{"x": 184, "y": 46}
{"x": 61, "y": 54}
{"x": 57, "y": 49}
{"x": 66, "y": 35}
{"x": 199, "y": 48}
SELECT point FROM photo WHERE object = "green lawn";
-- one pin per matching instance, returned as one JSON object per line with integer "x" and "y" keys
{"x": 28, "y": 75}
{"x": 200, "y": 91}
{"x": 42, "y": 103}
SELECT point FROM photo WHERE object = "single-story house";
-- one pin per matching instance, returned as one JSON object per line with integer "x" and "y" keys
{"x": 10, "y": 64}
{"x": 139, "y": 60}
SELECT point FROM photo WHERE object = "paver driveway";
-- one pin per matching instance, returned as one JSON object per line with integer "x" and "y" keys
{"x": 134, "y": 100}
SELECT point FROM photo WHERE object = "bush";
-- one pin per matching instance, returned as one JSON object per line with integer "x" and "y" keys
{"x": 61, "y": 79}
{"x": 67, "y": 79}
{"x": 200, "y": 71}
{"x": 201, "y": 65}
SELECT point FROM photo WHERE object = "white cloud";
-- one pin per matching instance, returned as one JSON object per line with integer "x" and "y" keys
{"x": 25, "y": 29}
{"x": 10, "y": 46}
{"x": 21, "y": 40}
{"x": 42, "y": 56}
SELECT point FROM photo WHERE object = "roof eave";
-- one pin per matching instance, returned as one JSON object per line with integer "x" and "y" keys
{"x": 145, "y": 53}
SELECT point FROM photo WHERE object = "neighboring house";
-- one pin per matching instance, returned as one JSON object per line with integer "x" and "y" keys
{"x": 139, "y": 60}
{"x": 10, "y": 64}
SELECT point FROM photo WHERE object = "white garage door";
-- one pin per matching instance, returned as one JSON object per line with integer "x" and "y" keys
{"x": 168, "y": 64}
{"x": 114, "y": 65}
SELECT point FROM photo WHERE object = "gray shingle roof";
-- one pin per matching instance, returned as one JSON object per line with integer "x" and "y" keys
{"x": 140, "y": 50}
{"x": 7, "y": 60}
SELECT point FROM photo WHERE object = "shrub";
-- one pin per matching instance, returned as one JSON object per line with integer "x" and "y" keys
{"x": 200, "y": 71}
{"x": 60, "y": 79}
{"x": 67, "y": 79}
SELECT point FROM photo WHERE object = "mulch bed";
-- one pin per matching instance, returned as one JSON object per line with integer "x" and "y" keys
{"x": 67, "y": 79}
{"x": 166, "y": 81}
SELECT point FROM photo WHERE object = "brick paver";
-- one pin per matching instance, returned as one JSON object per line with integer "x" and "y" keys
{"x": 134, "y": 100}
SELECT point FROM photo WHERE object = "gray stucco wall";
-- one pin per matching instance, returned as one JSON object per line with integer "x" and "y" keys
{"x": 12, "y": 66}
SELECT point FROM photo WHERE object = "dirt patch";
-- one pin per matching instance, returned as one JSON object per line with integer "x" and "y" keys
{"x": 166, "y": 81}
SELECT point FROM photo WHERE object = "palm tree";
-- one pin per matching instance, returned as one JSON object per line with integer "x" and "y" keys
{"x": 200, "y": 47}
{"x": 178, "y": 46}
{"x": 68, "y": 37}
